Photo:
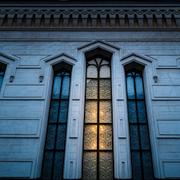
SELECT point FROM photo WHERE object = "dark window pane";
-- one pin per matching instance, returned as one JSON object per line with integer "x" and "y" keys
{"x": 61, "y": 137}
{"x": 47, "y": 166}
{"x": 65, "y": 87}
{"x": 91, "y": 89}
{"x": 144, "y": 137}
{"x": 51, "y": 132}
{"x": 105, "y": 137}
{"x": 106, "y": 165}
{"x": 1, "y": 80}
{"x": 147, "y": 166}
{"x": 134, "y": 137}
{"x": 138, "y": 127}
{"x": 90, "y": 166}
{"x": 136, "y": 166}
{"x": 132, "y": 112}
{"x": 90, "y": 137}
{"x": 58, "y": 166}
{"x": 53, "y": 111}
{"x": 63, "y": 114}
{"x": 56, "y": 87}
{"x": 130, "y": 87}
{"x": 105, "y": 89}
{"x": 2, "y": 72}
{"x": 56, "y": 130}
{"x": 66, "y": 74}
{"x": 141, "y": 111}
{"x": 91, "y": 112}
{"x": 139, "y": 87}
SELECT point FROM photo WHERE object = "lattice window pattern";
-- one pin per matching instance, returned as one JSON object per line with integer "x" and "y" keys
{"x": 98, "y": 146}
{"x": 54, "y": 150}
{"x": 142, "y": 167}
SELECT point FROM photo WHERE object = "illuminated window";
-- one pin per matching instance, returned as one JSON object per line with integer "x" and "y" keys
{"x": 54, "y": 150}
{"x": 138, "y": 126}
{"x": 98, "y": 146}
{"x": 2, "y": 72}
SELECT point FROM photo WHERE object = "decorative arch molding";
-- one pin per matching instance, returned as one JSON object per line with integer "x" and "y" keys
{"x": 55, "y": 59}
{"x": 11, "y": 62}
{"x": 142, "y": 60}
{"x": 6, "y": 58}
{"x": 99, "y": 44}
{"x": 134, "y": 57}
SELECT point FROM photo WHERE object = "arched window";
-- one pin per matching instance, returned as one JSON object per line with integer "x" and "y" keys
{"x": 98, "y": 145}
{"x": 142, "y": 168}
{"x": 54, "y": 150}
{"x": 2, "y": 72}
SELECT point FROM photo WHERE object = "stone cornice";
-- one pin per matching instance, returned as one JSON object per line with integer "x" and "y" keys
{"x": 89, "y": 17}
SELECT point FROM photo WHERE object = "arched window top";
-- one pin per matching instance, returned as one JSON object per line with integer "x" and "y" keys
{"x": 6, "y": 58}
{"x": 62, "y": 67}
{"x": 60, "y": 58}
{"x": 134, "y": 80}
{"x": 133, "y": 66}
{"x": 98, "y": 53}
{"x": 98, "y": 63}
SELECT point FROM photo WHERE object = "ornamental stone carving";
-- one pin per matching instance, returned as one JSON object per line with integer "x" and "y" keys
{"x": 120, "y": 17}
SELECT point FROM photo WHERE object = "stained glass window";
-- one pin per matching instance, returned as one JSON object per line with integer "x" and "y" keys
{"x": 105, "y": 165}
{"x": 91, "y": 90}
{"x": 142, "y": 167}
{"x": 98, "y": 147}
{"x": 2, "y": 72}
{"x": 90, "y": 164}
{"x": 57, "y": 125}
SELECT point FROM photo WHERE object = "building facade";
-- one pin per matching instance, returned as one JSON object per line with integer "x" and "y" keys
{"x": 90, "y": 91}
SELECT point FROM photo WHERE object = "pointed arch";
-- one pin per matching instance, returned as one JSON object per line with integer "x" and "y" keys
{"x": 58, "y": 58}
{"x": 99, "y": 44}
{"x": 7, "y": 67}
{"x": 141, "y": 59}
{"x": 6, "y": 58}
{"x": 138, "y": 76}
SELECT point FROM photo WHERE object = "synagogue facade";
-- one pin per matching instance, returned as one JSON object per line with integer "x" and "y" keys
{"x": 90, "y": 91}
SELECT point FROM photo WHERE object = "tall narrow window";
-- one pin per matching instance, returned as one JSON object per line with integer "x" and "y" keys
{"x": 142, "y": 168}
{"x": 2, "y": 72}
{"x": 98, "y": 146}
{"x": 54, "y": 150}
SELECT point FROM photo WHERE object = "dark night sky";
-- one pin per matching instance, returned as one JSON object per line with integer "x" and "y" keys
{"x": 93, "y": 1}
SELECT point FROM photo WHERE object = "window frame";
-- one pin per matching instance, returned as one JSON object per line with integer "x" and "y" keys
{"x": 136, "y": 68}
{"x": 149, "y": 71}
{"x": 11, "y": 62}
{"x": 92, "y": 55}
{"x": 62, "y": 66}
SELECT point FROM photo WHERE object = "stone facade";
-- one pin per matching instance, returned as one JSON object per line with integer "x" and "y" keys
{"x": 34, "y": 39}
